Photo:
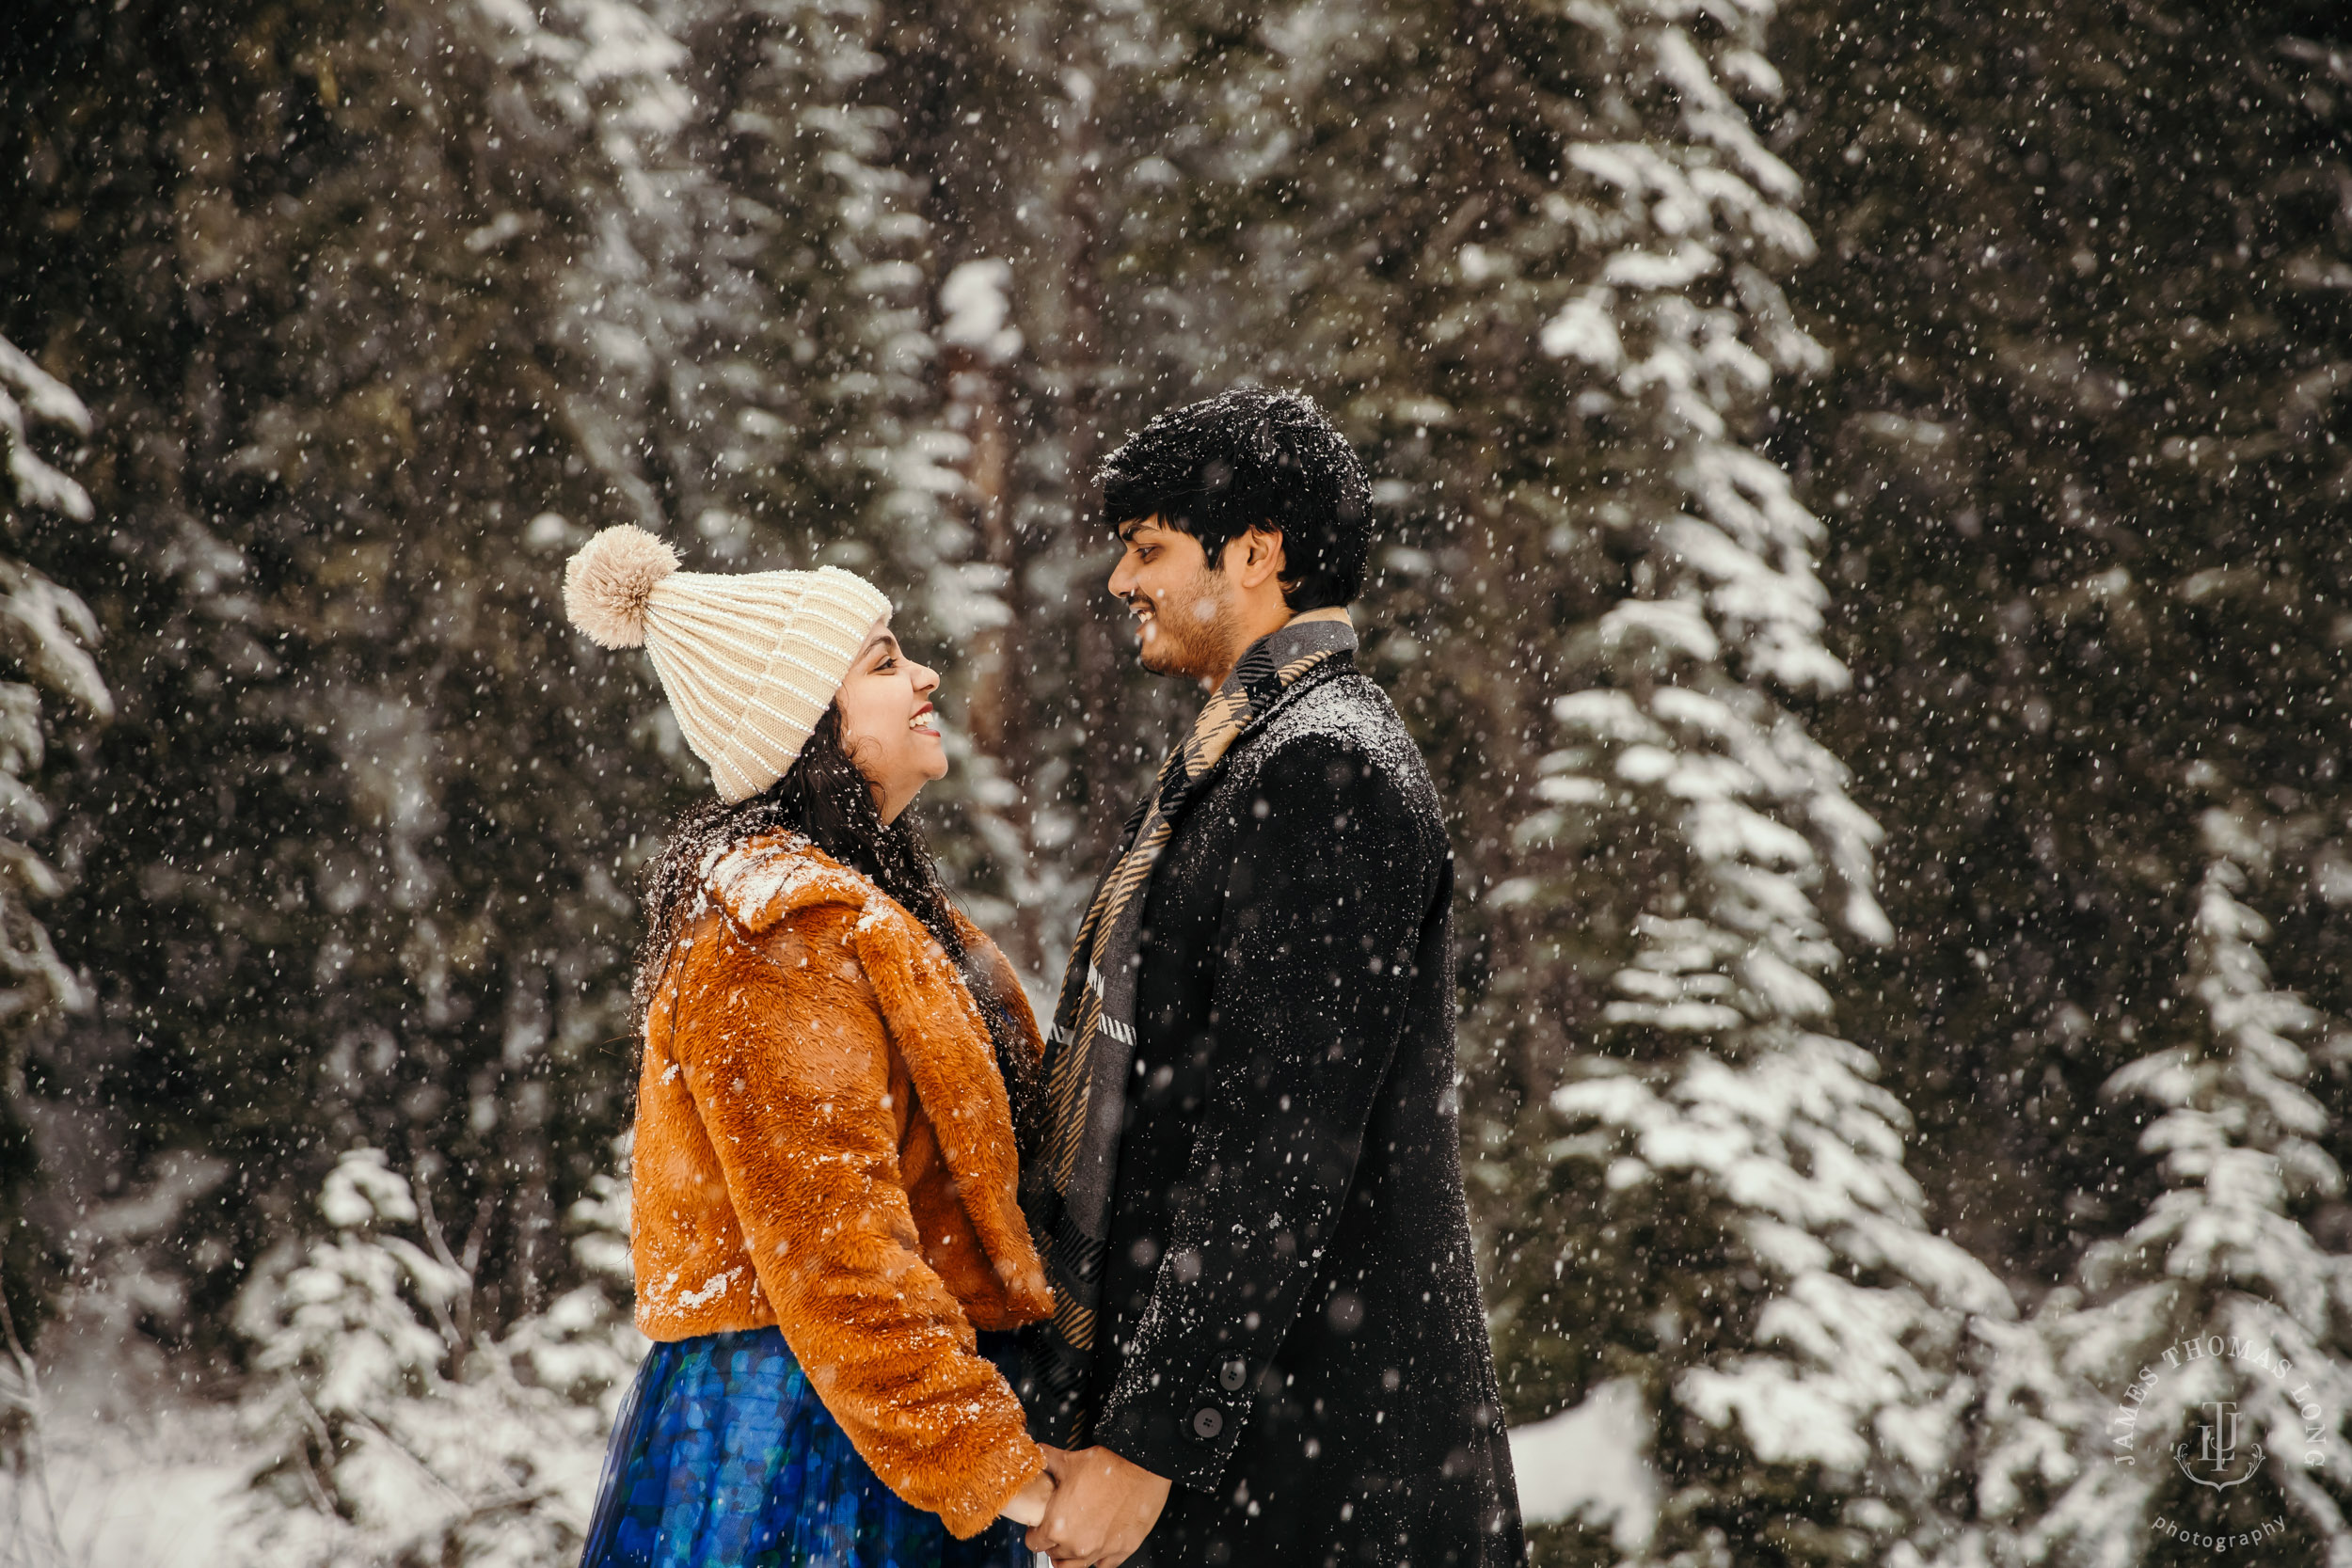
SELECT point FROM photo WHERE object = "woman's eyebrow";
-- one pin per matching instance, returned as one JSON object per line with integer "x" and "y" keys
{"x": 877, "y": 639}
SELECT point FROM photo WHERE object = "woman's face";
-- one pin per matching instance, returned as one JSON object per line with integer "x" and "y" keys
{"x": 887, "y": 724}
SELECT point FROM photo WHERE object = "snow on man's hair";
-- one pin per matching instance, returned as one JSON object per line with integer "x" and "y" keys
{"x": 1218, "y": 468}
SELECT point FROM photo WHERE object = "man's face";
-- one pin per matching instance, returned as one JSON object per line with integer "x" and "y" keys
{"x": 1185, "y": 617}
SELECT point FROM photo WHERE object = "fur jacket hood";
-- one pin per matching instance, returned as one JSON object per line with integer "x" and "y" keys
{"x": 824, "y": 1142}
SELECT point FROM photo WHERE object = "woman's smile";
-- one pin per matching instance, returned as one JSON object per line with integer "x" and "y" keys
{"x": 888, "y": 721}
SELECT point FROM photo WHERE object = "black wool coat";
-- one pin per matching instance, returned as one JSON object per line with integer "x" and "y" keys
{"x": 1292, "y": 1329}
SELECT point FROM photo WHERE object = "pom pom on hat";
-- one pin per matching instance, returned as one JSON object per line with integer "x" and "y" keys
{"x": 607, "y": 584}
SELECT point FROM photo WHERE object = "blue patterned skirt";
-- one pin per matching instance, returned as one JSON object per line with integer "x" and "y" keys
{"x": 723, "y": 1457}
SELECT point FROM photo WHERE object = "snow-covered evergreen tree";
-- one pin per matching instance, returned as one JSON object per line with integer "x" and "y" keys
{"x": 395, "y": 1431}
{"x": 2204, "y": 1345}
{"x": 1715, "y": 1203}
{"x": 428, "y": 312}
{"x": 46, "y": 633}
{"x": 1722, "y": 1212}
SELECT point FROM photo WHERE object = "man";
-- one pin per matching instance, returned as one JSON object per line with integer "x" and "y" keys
{"x": 1267, "y": 1345}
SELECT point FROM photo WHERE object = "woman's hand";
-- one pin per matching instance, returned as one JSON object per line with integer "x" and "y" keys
{"x": 1102, "y": 1509}
{"x": 1027, "y": 1506}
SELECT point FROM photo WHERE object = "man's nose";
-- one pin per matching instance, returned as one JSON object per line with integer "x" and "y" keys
{"x": 1122, "y": 580}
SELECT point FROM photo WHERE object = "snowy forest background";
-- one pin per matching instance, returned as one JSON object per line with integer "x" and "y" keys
{"x": 1863, "y": 494}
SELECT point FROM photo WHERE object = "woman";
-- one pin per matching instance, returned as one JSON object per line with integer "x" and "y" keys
{"x": 825, "y": 1234}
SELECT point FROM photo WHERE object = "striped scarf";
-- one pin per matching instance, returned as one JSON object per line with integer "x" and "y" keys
{"x": 1066, "y": 1191}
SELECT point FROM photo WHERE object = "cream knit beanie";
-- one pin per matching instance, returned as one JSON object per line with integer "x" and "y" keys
{"x": 750, "y": 661}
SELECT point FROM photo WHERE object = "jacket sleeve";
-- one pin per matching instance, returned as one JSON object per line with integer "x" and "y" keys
{"x": 789, "y": 1060}
{"x": 1331, "y": 886}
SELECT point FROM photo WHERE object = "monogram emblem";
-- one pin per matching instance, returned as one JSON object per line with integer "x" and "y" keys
{"x": 2218, "y": 1458}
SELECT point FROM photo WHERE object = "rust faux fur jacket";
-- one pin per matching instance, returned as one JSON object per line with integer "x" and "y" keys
{"x": 824, "y": 1143}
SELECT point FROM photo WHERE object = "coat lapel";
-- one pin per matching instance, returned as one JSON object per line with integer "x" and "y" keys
{"x": 938, "y": 1029}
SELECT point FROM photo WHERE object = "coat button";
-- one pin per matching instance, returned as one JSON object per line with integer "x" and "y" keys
{"x": 1207, "y": 1422}
{"x": 1233, "y": 1375}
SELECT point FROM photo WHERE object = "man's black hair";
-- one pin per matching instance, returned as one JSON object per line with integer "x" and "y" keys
{"x": 1246, "y": 459}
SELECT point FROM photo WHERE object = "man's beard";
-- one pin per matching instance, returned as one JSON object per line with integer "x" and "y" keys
{"x": 1188, "y": 644}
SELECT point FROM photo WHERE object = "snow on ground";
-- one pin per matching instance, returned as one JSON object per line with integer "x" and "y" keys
{"x": 121, "y": 1465}
{"x": 165, "y": 1491}
{"x": 127, "y": 1469}
{"x": 165, "y": 1487}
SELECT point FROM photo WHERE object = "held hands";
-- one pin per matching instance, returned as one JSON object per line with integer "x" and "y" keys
{"x": 1100, "y": 1508}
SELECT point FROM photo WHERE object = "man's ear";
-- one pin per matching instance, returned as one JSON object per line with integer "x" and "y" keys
{"x": 1260, "y": 557}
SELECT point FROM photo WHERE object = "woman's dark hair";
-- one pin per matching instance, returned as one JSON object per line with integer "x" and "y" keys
{"x": 1249, "y": 458}
{"x": 826, "y": 799}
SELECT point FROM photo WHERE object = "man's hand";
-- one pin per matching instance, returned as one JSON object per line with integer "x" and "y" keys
{"x": 1102, "y": 1509}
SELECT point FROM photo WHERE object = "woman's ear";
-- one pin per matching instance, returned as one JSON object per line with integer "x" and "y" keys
{"x": 852, "y": 742}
